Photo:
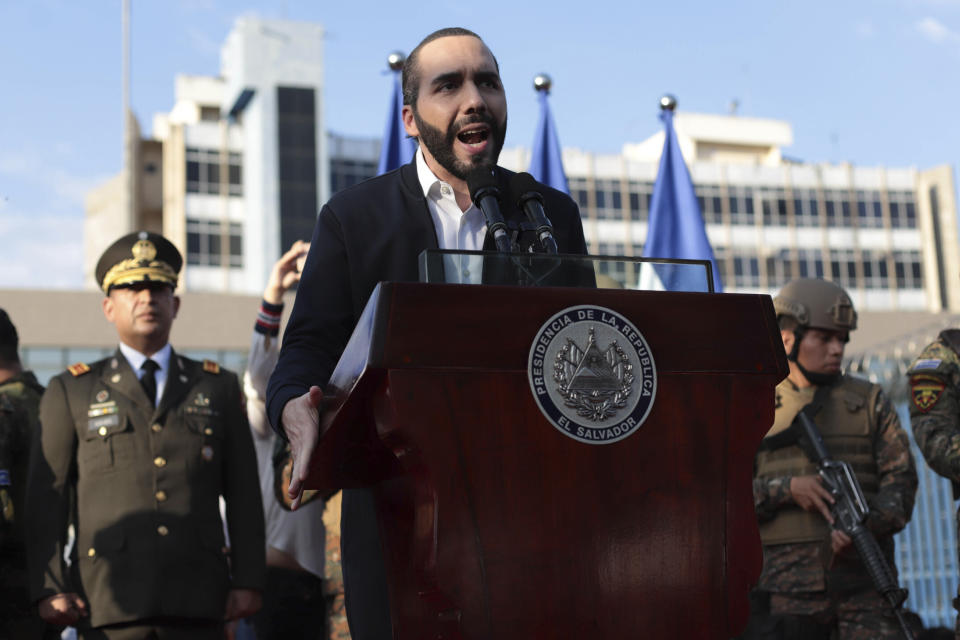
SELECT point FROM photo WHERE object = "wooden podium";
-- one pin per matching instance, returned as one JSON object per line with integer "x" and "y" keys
{"x": 495, "y": 524}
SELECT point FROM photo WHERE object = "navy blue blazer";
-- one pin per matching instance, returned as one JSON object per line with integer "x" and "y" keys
{"x": 368, "y": 233}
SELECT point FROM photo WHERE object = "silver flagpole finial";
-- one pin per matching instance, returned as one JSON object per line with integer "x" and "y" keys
{"x": 542, "y": 82}
{"x": 668, "y": 102}
{"x": 395, "y": 60}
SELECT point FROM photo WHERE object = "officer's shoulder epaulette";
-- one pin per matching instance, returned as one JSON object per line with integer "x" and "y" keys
{"x": 211, "y": 367}
{"x": 77, "y": 369}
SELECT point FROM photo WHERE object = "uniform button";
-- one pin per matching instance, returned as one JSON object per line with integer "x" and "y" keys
{"x": 160, "y": 461}
{"x": 161, "y": 495}
{"x": 162, "y": 530}
{"x": 102, "y": 431}
{"x": 156, "y": 428}
{"x": 208, "y": 431}
{"x": 91, "y": 552}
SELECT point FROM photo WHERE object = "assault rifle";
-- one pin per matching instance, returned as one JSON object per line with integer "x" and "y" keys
{"x": 850, "y": 515}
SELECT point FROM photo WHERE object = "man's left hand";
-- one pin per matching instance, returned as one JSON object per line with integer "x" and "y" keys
{"x": 839, "y": 542}
{"x": 242, "y": 603}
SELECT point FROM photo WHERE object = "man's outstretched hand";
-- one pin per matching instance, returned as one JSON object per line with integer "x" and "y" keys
{"x": 301, "y": 423}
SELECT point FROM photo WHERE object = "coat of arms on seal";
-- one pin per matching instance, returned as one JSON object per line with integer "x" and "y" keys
{"x": 592, "y": 374}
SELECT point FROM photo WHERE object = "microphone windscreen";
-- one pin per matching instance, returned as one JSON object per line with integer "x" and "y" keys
{"x": 480, "y": 178}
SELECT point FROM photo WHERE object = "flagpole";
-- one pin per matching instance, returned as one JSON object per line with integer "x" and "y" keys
{"x": 397, "y": 148}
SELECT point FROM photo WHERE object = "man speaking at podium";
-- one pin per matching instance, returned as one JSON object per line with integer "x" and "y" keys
{"x": 455, "y": 105}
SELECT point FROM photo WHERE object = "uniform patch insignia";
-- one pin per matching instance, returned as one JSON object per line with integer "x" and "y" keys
{"x": 201, "y": 400}
{"x": 102, "y": 409}
{"x": 928, "y": 363}
{"x": 211, "y": 367}
{"x": 103, "y": 395}
{"x": 78, "y": 369}
{"x": 926, "y": 391}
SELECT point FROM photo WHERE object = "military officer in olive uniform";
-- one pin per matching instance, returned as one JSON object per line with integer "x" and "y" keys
{"x": 935, "y": 410}
{"x": 812, "y": 576}
{"x": 147, "y": 441}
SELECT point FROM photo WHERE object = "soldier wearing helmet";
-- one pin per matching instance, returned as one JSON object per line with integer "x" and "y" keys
{"x": 813, "y": 583}
{"x": 935, "y": 410}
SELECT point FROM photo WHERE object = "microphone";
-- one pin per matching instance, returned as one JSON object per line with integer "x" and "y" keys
{"x": 531, "y": 202}
{"x": 486, "y": 195}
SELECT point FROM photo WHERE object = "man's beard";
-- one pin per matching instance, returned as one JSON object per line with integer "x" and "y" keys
{"x": 440, "y": 144}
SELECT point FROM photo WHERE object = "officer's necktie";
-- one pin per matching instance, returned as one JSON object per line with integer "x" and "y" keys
{"x": 149, "y": 381}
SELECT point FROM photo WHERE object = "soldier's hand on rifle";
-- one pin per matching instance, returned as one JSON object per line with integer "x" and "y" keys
{"x": 809, "y": 493}
{"x": 839, "y": 542}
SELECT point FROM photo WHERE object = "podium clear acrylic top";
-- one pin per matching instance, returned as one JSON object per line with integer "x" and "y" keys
{"x": 564, "y": 270}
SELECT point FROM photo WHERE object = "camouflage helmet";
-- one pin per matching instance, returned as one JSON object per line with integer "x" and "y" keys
{"x": 816, "y": 303}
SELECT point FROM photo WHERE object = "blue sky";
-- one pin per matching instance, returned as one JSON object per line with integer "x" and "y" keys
{"x": 871, "y": 82}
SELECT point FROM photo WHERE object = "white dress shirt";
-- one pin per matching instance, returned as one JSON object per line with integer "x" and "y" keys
{"x": 456, "y": 229}
{"x": 162, "y": 358}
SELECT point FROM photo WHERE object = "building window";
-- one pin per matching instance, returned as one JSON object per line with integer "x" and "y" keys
{"x": 869, "y": 209}
{"x": 746, "y": 271}
{"x": 205, "y": 241}
{"x": 908, "y": 269}
{"x": 741, "y": 205}
{"x": 297, "y": 159}
{"x": 902, "y": 210}
{"x": 806, "y": 211}
{"x": 710, "y": 202}
{"x": 774, "y": 207}
{"x": 203, "y": 172}
{"x": 640, "y": 195}
{"x": 345, "y": 172}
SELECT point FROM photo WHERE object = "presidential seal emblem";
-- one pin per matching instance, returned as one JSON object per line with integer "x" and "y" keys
{"x": 592, "y": 374}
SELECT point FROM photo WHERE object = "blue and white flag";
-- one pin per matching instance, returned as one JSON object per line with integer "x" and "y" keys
{"x": 676, "y": 228}
{"x": 546, "y": 163}
{"x": 397, "y": 148}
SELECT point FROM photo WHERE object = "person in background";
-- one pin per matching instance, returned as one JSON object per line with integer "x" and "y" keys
{"x": 935, "y": 411}
{"x": 135, "y": 450}
{"x": 813, "y": 583}
{"x": 19, "y": 415}
{"x": 294, "y": 603}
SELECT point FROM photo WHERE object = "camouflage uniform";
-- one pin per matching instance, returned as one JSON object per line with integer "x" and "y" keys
{"x": 935, "y": 410}
{"x": 19, "y": 409}
{"x": 804, "y": 579}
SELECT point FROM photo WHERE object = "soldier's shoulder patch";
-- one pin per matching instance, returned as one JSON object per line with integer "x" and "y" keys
{"x": 211, "y": 367}
{"x": 926, "y": 391}
{"x": 927, "y": 363}
{"x": 78, "y": 369}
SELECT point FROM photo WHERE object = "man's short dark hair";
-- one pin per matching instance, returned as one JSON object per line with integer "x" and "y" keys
{"x": 410, "y": 77}
{"x": 9, "y": 341}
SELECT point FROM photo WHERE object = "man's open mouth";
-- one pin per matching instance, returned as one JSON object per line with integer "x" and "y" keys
{"x": 474, "y": 136}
